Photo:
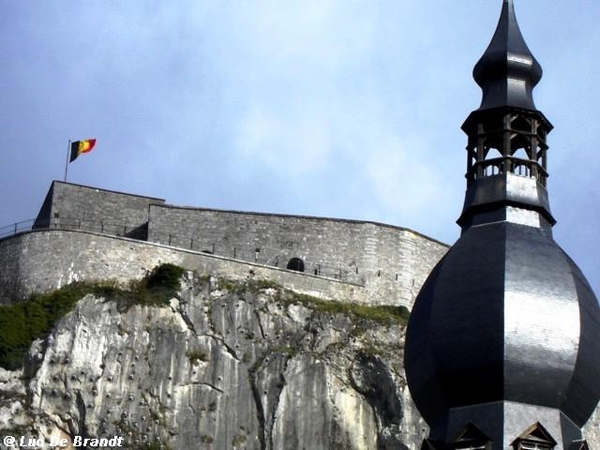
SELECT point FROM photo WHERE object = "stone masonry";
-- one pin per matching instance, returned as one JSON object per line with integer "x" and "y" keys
{"x": 102, "y": 231}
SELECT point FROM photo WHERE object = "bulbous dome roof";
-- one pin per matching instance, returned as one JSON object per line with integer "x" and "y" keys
{"x": 506, "y": 327}
{"x": 505, "y": 315}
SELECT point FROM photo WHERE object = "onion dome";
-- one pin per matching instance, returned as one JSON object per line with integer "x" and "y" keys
{"x": 505, "y": 316}
{"x": 503, "y": 340}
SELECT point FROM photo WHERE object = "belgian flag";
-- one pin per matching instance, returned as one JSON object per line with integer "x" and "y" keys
{"x": 79, "y": 147}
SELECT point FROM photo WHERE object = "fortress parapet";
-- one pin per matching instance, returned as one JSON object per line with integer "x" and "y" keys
{"x": 382, "y": 263}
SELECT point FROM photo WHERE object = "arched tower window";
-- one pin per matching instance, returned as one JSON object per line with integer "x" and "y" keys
{"x": 296, "y": 264}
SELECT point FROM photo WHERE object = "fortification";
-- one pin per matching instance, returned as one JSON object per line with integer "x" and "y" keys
{"x": 85, "y": 233}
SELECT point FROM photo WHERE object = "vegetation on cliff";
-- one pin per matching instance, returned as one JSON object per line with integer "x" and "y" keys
{"x": 382, "y": 314}
{"x": 34, "y": 317}
{"x": 251, "y": 356}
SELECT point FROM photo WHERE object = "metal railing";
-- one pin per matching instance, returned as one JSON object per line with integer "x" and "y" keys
{"x": 194, "y": 243}
{"x": 264, "y": 256}
{"x": 16, "y": 228}
{"x": 78, "y": 224}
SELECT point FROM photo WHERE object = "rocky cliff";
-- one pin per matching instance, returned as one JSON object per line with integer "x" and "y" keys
{"x": 220, "y": 365}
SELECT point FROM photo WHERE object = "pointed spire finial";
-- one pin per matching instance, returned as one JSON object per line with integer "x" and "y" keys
{"x": 507, "y": 72}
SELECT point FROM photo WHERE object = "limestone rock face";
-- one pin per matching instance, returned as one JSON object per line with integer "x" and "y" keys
{"x": 224, "y": 366}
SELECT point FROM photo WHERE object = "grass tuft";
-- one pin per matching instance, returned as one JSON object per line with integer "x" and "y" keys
{"x": 383, "y": 314}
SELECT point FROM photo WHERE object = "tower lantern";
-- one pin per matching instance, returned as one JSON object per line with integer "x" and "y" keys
{"x": 503, "y": 341}
{"x": 507, "y": 134}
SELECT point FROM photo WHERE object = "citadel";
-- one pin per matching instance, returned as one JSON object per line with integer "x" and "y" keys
{"x": 500, "y": 351}
{"x": 84, "y": 233}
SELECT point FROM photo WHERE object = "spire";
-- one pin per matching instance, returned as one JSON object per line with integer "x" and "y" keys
{"x": 507, "y": 72}
{"x": 506, "y": 165}
{"x": 502, "y": 345}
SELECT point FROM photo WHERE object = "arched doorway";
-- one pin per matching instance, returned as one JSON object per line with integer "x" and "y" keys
{"x": 296, "y": 264}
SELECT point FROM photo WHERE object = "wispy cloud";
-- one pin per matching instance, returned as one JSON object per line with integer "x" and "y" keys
{"x": 345, "y": 108}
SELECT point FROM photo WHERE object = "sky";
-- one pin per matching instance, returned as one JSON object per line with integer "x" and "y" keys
{"x": 335, "y": 108}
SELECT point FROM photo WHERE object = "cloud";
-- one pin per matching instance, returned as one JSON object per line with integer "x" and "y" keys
{"x": 298, "y": 142}
{"x": 347, "y": 108}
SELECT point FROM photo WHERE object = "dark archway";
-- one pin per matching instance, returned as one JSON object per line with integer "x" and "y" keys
{"x": 296, "y": 264}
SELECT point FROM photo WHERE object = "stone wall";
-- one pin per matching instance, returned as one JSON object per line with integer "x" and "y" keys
{"x": 44, "y": 260}
{"x": 81, "y": 207}
{"x": 389, "y": 261}
{"x": 39, "y": 261}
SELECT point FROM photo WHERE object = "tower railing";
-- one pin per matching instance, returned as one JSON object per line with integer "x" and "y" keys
{"x": 507, "y": 164}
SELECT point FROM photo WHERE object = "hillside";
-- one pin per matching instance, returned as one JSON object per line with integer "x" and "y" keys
{"x": 218, "y": 364}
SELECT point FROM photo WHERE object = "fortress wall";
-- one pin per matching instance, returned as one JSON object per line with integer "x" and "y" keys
{"x": 426, "y": 256}
{"x": 400, "y": 262}
{"x": 11, "y": 251}
{"x": 94, "y": 209}
{"x": 45, "y": 260}
{"x": 389, "y": 260}
{"x": 266, "y": 238}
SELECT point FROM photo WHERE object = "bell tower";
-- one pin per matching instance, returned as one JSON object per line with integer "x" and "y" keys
{"x": 507, "y": 134}
{"x": 503, "y": 343}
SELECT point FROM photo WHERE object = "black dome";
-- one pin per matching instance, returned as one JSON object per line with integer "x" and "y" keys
{"x": 506, "y": 315}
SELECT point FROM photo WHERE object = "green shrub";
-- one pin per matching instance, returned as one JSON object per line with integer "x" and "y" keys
{"x": 156, "y": 289}
{"x": 206, "y": 439}
{"x": 165, "y": 276}
{"x": 251, "y": 286}
{"x": 240, "y": 439}
{"x": 383, "y": 314}
{"x": 22, "y": 323}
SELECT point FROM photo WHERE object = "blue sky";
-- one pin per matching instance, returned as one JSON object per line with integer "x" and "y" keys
{"x": 337, "y": 108}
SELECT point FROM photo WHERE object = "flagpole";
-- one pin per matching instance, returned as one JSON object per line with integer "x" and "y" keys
{"x": 67, "y": 163}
